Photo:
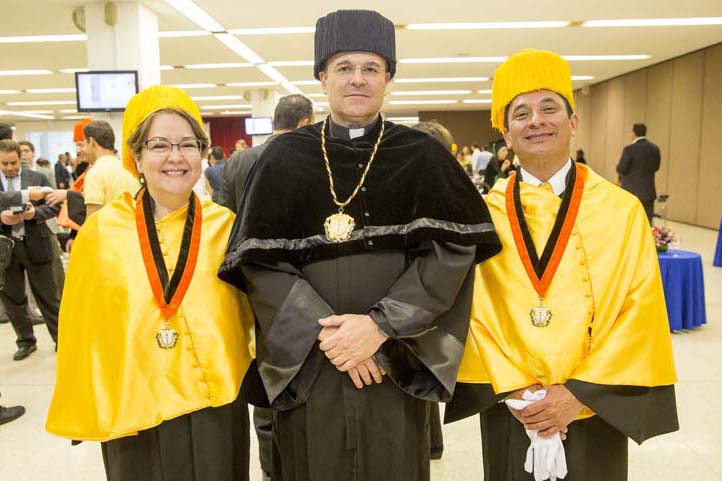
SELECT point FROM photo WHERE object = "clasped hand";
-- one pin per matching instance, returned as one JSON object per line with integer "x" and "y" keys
{"x": 349, "y": 341}
{"x": 552, "y": 414}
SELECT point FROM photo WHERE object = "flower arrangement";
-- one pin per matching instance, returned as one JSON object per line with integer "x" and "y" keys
{"x": 663, "y": 237}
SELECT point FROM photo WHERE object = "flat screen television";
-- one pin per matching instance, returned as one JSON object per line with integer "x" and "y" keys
{"x": 259, "y": 126}
{"x": 105, "y": 91}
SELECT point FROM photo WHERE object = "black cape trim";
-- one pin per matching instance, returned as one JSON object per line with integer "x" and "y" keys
{"x": 540, "y": 265}
{"x": 415, "y": 192}
{"x": 169, "y": 287}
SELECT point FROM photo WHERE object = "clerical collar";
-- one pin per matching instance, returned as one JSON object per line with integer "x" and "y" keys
{"x": 345, "y": 133}
{"x": 558, "y": 181}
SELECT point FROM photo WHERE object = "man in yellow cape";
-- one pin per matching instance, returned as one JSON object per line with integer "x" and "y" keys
{"x": 573, "y": 304}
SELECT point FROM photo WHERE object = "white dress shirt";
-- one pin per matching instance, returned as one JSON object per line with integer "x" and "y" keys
{"x": 558, "y": 181}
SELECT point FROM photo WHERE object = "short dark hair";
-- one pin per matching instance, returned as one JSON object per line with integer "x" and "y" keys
{"x": 102, "y": 132}
{"x": 217, "y": 153}
{"x": 25, "y": 142}
{"x": 43, "y": 162}
{"x": 9, "y": 145}
{"x": 290, "y": 110}
{"x": 640, "y": 130}
{"x": 570, "y": 110}
{"x": 6, "y": 132}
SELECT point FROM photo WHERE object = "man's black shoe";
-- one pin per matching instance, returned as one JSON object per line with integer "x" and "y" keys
{"x": 11, "y": 413}
{"x": 24, "y": 352}
{"x": 37, "y": 321}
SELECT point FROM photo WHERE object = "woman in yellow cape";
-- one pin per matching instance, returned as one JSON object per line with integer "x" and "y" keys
{"x": 154, "y": 347}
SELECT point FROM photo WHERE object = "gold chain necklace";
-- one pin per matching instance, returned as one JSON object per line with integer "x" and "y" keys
{"x": 339, "y": 226}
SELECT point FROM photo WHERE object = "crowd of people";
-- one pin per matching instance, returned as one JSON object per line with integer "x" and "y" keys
{"x": 344, "y": 278}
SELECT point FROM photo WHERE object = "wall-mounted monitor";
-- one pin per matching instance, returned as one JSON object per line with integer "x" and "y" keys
{"x": 105, "y": 91}
{"x": 259, "y": 126}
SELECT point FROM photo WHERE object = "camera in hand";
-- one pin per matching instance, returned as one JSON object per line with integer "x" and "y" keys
{"x": 18, "y": 209}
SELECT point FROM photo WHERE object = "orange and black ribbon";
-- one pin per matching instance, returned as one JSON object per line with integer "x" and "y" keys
{"x": 541, "y": 271}
{"x": 168, "y": 293}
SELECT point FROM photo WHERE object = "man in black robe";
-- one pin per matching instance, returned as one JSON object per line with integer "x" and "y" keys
{"x": 360, "y": 272}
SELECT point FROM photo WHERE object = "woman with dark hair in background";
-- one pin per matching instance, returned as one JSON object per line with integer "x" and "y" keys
{"x": 499, "y": 166}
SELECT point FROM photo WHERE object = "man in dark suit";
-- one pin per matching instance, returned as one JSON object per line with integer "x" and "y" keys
{"x": 292, "y": 112}
{"x": 32, "y": 253}
{"x": 640, "y": 160}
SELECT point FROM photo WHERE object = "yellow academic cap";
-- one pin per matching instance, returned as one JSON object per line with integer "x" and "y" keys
{"x": 527, "y": 71}
{"x": 143, "y": 104}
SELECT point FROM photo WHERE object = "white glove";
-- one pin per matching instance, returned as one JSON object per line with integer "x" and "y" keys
{"x": 545, "y": 456}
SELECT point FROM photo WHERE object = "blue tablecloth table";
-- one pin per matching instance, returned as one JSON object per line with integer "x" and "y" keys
{"x": 683, "y": 282}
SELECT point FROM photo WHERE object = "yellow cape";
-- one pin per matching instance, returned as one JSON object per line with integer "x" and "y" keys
{"x": 609, "y": 322}
{"x": 112, "y": 378}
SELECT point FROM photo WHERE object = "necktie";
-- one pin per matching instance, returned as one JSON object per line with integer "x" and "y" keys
{"x": 547, "y": 186}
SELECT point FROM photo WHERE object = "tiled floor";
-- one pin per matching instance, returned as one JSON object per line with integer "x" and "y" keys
{"x": 28, "y": 453}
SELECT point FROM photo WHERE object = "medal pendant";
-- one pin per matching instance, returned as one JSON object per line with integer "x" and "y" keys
{"x": 167, "y": 337}
{"x": 540, "y": 315}
{"x": 339, "y": 227}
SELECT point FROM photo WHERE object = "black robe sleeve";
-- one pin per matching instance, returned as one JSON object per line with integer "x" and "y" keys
{"x": 638, "y": 412}
{"x": 287, "y": 311}
{"x": 426, "y": 317}
{"x": 76, "y": 207}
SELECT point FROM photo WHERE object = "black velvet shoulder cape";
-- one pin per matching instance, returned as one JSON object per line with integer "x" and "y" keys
{"x": 415, "y": 191}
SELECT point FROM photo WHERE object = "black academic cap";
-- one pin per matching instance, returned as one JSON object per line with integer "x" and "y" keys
{"x": 354, "y": 31}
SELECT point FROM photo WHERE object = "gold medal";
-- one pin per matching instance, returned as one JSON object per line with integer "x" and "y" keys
{"x": 540, "y": 315}
{"x": 339, "y": 227}
{"x": 167, "y": 337}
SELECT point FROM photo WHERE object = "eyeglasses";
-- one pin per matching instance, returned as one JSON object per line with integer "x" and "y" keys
{"x": 347, "y": 71}
{"x": 187, "y": 148}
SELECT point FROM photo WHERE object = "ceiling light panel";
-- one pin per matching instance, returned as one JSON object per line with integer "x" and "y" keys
{"x": 217, "y": 97}
{"x": 485, "y": 25}
{"x": 21, "y": 114}
{"x": 250, "y": 84}
{"x": 184, "y": 33}
{"x": 575, "y": 58}
{"x": 194, "y": 86}
{"x": 41, "y": 102}
{"x": 654, "y": 22}
{"x": 201, "y": 66}
{"x": 292, "y": 63}
{"x": 44, "y": 38}
{"x": 272, "y": 30}
{"x": 25, "y": 72}
{"x": 226, "y": 107}
{"x": 431, "y": 92}
{"x": 440, "y": 80}
{"x": 477, "y": 101}
{"x": 422, "y": 102}
{"x": 306, "y": 82}
{"x": 196, "y": 14}
{"x": 453, "y": 60}
{"x": 50, "y": 91}
{"x": 240, "y": 48}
